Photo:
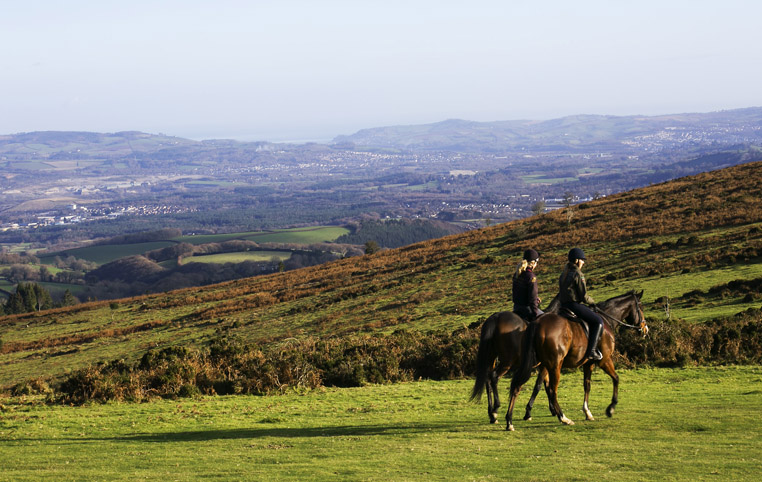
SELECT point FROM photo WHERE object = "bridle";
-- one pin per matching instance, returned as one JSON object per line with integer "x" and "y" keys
{"x": 641, "y": 324}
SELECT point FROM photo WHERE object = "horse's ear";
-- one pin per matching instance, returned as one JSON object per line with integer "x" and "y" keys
{"x": 640, "y": 295}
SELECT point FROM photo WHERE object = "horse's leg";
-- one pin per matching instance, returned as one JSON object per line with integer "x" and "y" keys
{"x": 555, "y": 377}
{"x": 488, "y": 387}
{"x": 588, "y": 375}
{"x": 499, "y": 373}
{"x": 608, "y": 366}
{"x": 546, "y": 381}
{"x": 509, "y": 414}
{"x": 535, "y": 391}
{"x": 493, "y": 402}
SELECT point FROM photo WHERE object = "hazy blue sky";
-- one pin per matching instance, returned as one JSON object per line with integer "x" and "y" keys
{"x": 313, "y": 69}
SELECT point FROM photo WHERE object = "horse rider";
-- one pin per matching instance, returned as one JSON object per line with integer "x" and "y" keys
{"x": 526, "y": 303}
{"x": 572, "y": 293}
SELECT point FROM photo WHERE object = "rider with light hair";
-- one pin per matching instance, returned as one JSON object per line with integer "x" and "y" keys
{"x": 573, "y": 292}
{"x": 526, "y": 302}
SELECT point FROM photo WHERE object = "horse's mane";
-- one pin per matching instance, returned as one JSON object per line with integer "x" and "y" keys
{"x": 618, "y": 298}
{"x": 555, "y": 304}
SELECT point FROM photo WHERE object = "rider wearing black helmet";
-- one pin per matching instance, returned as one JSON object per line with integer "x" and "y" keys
{"x": 573, "y": 292}
{"x": 526, "y": 302}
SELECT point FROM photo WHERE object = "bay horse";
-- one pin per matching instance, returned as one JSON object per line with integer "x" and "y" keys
{"x": 500, "y": 351}
{"x": 553, "y": 342}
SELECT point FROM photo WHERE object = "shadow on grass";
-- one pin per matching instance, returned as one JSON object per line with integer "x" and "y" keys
{"x": 311, "y": 432}
{"x": 255, "y": 433}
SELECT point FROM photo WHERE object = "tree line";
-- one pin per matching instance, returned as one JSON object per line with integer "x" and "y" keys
{"x": 30, "y": 297}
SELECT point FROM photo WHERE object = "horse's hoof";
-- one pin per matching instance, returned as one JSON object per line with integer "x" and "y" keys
{"x": 566, "y": 421}
{"x": 527, "y": 417}
{"x": 588, "y": 415}
{"x": 510, "y": 428}
{"x": 610, "y": 411}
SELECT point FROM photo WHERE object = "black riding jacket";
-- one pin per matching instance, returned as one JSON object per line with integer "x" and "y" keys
{"x": 572, "y": 287}
{"x": 525, "y": 292}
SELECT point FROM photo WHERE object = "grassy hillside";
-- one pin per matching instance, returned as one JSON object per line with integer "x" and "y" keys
{"x": 695, "y": 242}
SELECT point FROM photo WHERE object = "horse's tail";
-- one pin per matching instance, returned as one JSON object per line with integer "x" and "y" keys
{"x": 528, "y": 357}
{"x": 485, "y": 358}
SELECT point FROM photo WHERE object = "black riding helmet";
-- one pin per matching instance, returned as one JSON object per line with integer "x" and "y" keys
{"x": 531, "y": 255}
{"x": 575, "y": 254}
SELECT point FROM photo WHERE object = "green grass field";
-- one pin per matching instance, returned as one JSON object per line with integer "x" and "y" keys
{"x": 541, "y": 179}
{"x": 106, "y": 253}
{"x": 31, "y": 165}
{"x": 686, "y": 424}
{"x": 226, "y": 184}
{"x": 317, "y": 234}
{"x": 239, "y": 257}
{"x": 300, "y": 236}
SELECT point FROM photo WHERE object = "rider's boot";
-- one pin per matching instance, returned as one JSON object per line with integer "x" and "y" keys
{"x": 592, "y": 342}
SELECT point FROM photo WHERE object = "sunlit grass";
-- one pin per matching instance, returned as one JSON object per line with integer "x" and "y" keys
{"x": 405, "y": 431}
{"x": 239, "y": 257}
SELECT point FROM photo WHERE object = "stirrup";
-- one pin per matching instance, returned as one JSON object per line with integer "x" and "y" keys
{"x": 595, "y": 355}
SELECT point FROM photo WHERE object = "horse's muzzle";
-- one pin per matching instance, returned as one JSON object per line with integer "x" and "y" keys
{"x": 643, "y": 328}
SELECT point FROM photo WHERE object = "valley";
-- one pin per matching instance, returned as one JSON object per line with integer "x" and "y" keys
{"x": 693, "y": 243}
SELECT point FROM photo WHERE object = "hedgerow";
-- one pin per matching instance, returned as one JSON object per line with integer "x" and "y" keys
{"x": 231, "y": 366}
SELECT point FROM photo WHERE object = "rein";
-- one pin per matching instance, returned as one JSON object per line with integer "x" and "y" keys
{"x": 643, "y": 327}
{"x": 611, "y": 318}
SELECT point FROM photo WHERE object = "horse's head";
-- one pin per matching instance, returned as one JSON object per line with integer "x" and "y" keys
{"x": 636, "y": 316}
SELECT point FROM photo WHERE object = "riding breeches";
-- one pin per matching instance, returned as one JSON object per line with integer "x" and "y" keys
{"x": 529, "y": 313}
{"x": 591, "y": 318}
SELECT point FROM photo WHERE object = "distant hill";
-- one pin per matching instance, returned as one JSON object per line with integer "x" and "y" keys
{"x": 573, "y": 132}
{"x": 579, "y": 132}
{"x": 694, "y": 245}
{"x": 71, "y": 145}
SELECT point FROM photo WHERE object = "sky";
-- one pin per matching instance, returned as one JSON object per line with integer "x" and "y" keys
{"x": 298, "y": 70}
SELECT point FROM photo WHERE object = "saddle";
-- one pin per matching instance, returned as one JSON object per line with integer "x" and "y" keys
{"x": 572, "y": 316}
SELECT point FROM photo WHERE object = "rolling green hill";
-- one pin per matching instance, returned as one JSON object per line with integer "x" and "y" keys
{"x": 567, "y": 133}
{"x": 61, "y": 150}
{"x": 693, "y": 244}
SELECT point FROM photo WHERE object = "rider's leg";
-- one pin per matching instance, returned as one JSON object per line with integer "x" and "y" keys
{"x": 595, "y": 327}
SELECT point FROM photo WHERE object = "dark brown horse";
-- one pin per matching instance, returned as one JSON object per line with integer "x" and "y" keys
{"x": 553, "y": 342}
{"x": 499, "y": 351}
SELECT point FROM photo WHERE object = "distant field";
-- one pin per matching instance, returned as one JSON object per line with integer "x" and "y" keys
{"x": 106, "y": 253}
{"x": 215, "y": 183}
{"x": 44, "y": 165}
{"x": 197, "y": 239}
{"x": 74, "y": 164}
{"x": 55, "y": 289}
{"x": 410, "y": 431}
{"x": 292, "y": 236}
{"x": 7, "y": 286}
{"x": 300, "y": 236}
{"x": 541, "y": 179}
{"x": 102, "y": 254}
{"x": 239, "y": 257}
{"x": 30, "y": 165}
{"x": 422, "y": 187}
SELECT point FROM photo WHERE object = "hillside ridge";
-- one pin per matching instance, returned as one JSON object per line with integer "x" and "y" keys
{"x": 571, "y": 132}
{"x": 678, "y": 239}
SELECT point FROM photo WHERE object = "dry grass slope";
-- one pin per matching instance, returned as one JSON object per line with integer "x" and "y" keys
{"x": 693, "y": 224}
